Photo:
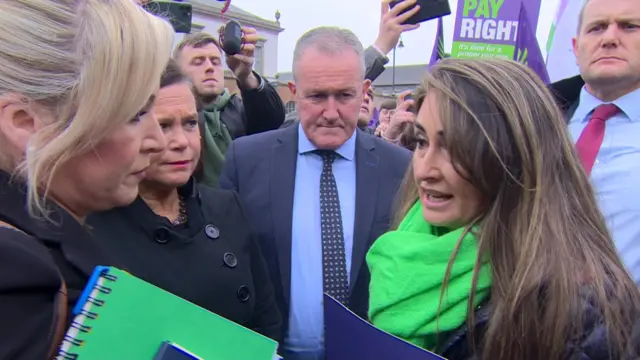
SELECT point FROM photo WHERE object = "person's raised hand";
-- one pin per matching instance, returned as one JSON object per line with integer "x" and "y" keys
{"x": 391, "y": 23}
{"x": 241, "y": 64}
{"x": 400, "y": 116}
{"x": 380, "y": 129}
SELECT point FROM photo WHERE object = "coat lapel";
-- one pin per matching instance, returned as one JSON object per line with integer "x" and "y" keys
{"x": 283, "y": 171}
{"x": 366, "y": 190}
{"x": 567, "y": 94}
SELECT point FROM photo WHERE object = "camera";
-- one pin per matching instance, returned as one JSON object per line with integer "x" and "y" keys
{"x": 231, "y": 38}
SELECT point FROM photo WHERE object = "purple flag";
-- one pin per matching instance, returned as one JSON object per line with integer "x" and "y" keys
{"x": 438, "y": 46}
{"x": 527, "y": 49}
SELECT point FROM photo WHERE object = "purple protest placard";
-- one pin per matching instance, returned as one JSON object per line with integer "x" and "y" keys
{"x": 348, "y": 337}
{"x": 488, "y": 28}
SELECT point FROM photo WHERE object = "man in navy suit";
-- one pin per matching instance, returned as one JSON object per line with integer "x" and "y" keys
{"x": 318, "y": 193}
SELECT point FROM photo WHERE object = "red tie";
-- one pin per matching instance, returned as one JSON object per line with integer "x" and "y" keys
{"x": 590, "y": 140}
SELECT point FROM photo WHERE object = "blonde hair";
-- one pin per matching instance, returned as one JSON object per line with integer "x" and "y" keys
{"x": 539, "y": 226}
{"x": 89, "y": 65}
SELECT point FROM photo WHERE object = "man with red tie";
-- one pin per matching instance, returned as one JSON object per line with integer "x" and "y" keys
{"x": 603, "y": 110}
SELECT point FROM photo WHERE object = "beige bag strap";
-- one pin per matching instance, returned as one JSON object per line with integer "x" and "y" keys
{"x": 58, "y": 325}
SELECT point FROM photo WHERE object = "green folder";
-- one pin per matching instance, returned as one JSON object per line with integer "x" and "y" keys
{"x": 122, "y": 317}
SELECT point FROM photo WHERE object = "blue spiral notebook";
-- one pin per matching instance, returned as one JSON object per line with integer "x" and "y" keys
{"x": 122, "y": 317}
{"x": 348, "y": 337}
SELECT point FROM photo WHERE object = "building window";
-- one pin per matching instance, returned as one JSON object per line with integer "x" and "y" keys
{"x": 259, "y": 59}
{"x": 290, "y": 107}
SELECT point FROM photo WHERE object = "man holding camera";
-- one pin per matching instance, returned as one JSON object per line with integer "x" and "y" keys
{"x": 224, "y": 116}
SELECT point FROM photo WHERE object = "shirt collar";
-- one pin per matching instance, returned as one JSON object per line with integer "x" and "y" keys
{"x": 629, "y": 104}
{"x": 346, "y": 151}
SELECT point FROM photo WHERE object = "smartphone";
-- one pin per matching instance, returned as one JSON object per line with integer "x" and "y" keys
{"x": 171, "y": 351}
{"x": 177, "y": 13}
{"x": 429, "y": 9}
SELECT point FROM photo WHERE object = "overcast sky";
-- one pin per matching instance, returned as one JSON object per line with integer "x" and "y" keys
{"x": 362, "y": 17}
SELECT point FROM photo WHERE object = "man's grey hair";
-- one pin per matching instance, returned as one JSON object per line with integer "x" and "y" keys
{"x": 581, "y": 15}
{"x": 329, "y": 40}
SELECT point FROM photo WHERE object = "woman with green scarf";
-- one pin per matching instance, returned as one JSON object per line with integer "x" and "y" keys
{"x": 499, "y": 250}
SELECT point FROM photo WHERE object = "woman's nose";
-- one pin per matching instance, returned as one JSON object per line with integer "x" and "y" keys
{"x": 427, "y": 166}
{"x": 153, "y": 141}
{"x": 178, "y": 141}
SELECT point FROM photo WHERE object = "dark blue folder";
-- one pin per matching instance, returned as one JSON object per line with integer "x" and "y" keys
{"x": 348, "y": 337}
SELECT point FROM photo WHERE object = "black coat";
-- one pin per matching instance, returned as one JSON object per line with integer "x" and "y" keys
{"x": 254, "y": 112}
{"x": 28, "y": 284}
{"x": 213, "y": 260}
{"x": 29, "y": 279}
{"x": 567, "y": 94}
{"x": 592, "y": 345}
{"x": 29, "y": 265}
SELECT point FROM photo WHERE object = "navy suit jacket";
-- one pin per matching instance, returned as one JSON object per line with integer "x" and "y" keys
{"x": 262, "y": 169}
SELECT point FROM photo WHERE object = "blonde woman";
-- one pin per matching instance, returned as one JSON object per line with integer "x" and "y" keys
{"x": 76, "y": 81}
{"x": 499, "y": 251}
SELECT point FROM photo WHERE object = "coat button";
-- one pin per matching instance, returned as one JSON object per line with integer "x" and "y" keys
{"x": 162, "y": 235}
{"x": 244, "y": 294}
{"x": 230, "y": 260}
{"x": 212, "y": 232}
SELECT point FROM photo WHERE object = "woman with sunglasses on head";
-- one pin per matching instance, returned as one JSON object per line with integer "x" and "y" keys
{"x": 189, "y": 239}
{"x": 77, "y": 80}
{"x": 499, "y": 250}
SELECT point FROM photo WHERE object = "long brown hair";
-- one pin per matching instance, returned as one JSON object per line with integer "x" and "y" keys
{"x": 540, "y": 226}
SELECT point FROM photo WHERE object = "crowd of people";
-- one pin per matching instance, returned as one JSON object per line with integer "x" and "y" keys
{"x": 486, "y": 216}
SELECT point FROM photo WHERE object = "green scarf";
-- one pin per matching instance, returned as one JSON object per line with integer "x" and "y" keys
{"x": 407, "y": 270}
{"x": 216, "y": 140}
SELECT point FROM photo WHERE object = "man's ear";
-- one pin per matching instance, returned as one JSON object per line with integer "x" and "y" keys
{"x": 574, "y": 43}
{"x": 366, "y": 85}
{"x": 292, "y": 88}
{"x": 17, "y": 122}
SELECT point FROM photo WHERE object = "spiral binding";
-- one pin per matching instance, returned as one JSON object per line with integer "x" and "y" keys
{"x": 89, "y": 315}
